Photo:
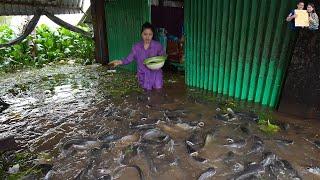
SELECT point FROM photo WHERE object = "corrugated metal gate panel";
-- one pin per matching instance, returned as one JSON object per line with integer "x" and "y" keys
{"x": 124, "y": 19}
{"x": 238, "y": 48}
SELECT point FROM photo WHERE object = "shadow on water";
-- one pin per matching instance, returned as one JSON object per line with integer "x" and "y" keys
{"x": 89, "y": 123}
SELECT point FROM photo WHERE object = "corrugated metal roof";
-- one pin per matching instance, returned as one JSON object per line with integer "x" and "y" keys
{"x": 28, "y": 7}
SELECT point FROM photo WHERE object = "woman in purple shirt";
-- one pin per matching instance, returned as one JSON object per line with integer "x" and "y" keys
{"x": 148, "y": 79}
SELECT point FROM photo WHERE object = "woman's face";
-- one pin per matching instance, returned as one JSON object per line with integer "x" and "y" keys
{"x": 309, "y": 9}
{"x": 300, "y": 6}
{"x": 147, "y": 35}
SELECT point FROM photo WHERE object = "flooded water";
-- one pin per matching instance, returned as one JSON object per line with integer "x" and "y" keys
{"x": 97, "y": 124}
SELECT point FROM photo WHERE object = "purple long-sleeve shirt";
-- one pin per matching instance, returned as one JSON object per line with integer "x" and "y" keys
{"x": 148, "y": 79}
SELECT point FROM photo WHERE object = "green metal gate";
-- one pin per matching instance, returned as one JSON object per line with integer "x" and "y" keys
{"x": 239, "y": 48}
{"x": 123, "y": 20}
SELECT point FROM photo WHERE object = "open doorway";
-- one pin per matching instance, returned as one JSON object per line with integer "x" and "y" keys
{"x": 168, "y": 19}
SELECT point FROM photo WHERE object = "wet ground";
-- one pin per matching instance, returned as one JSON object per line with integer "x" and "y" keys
{"x": 84, "y": 122}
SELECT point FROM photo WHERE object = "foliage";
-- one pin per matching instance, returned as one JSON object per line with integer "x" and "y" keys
{"x": 46, "y": 46}
{"x": 23, "y": 159}
{"x": 13, "y": 56}
{"x": 267, "y": 123}
{"x": 269, "y": 128}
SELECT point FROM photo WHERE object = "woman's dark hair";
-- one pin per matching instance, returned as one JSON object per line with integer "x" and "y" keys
{"x": 300, "y": 2}
{"x": 147, "y": 25}
{"x": 313, "y": 6}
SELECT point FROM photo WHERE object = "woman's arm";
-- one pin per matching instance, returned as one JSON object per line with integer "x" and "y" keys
{"x": 316, "y": 20}
{"x": 124, "y": 61}
{"x": 130, "y": 57}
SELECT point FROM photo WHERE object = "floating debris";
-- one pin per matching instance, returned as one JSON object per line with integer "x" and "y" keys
{"x": 111, "y": 71}
{"x": 314, "y": 170}
{"x": 14, "y": 169}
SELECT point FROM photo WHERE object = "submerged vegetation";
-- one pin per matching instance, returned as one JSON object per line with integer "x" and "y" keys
{"x": 19, "y": 165}
{"x": 43, "y": 47}
{"x": 267, "y": 123}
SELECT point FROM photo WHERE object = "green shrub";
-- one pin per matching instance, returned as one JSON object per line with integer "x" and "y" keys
{"x": 46, "y": 46}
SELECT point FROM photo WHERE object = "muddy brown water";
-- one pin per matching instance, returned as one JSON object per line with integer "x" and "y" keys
{"x": 94, "y": 124}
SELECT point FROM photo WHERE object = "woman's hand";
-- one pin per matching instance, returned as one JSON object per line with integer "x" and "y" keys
{"x": 115, "y": 63}
{"x": 311, "y": 20}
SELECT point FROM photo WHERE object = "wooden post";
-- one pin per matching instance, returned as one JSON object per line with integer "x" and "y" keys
{"x": 100, "y": 33}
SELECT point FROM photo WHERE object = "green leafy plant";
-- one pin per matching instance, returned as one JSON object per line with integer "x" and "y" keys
{"x": 46, "y": 46}
{"x": 267, "y": 123}
{"x": 23, "y": 160}
{"x": 14, "y": 56}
